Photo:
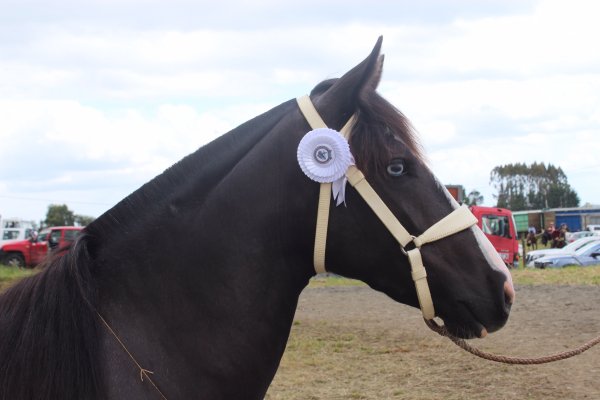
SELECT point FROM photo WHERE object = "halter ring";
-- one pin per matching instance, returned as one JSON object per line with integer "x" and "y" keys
{"x": 403, "y": 248}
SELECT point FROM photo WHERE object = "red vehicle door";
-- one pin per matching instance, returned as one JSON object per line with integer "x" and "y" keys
{"x": 52, "y": 239}
{"x": 39, "y": 247}
{"x": 55, "y": 239}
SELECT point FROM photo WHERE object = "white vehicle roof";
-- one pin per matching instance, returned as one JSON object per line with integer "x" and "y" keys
{"x": 585, "y": 248}
{"x": 570, "y": 248}
{"x": 579, "y": 252}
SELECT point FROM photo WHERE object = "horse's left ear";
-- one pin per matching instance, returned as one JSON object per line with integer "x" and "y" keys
{"x": 339, "y": 102}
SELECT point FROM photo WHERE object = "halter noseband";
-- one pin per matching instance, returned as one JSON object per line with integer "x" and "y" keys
{"x": 459, "y": 219}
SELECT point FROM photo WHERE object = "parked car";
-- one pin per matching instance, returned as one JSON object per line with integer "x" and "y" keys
{"x": 12, "y": 234}
{"x": 12, "y": 229}
{"x": 571, "y": 248}
{"x": 585, "y": 256}
{"x": 32, "y": 251}
{"x": 571, "y": 237}
{"x": 593, "y": 228}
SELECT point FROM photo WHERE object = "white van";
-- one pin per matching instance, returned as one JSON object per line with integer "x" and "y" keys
{"x": 15, "y": 229}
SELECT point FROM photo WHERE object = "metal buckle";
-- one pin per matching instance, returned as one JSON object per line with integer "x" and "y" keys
{"x": 403, "y": 248}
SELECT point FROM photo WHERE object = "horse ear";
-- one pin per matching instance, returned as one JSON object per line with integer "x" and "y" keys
{"x": 340, "y": 101}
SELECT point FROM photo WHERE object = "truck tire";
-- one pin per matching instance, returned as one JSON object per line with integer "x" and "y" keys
{"x": 14, "y": 260}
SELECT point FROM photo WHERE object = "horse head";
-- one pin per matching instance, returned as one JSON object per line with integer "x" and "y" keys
{"x": 470, "y": 285}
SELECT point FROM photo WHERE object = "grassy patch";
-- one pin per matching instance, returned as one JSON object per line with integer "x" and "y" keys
{"x": 10, "y": 274}
{"x": 557, "y": 276}
{"x": 371, "y": 348}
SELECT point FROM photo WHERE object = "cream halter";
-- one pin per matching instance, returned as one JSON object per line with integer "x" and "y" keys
{"x": 458, "y": 220}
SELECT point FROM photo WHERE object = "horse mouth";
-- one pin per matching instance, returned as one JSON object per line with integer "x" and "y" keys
{"x": 472, "y": 330}
{"x": 469, "y": 325}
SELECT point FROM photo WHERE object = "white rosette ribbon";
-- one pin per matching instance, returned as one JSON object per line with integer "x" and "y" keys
{"x": 324, "y": 156}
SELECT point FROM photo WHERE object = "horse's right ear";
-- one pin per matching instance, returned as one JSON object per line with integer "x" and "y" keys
{"x": 339, "y": 102}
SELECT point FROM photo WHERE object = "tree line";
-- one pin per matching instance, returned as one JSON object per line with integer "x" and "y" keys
{"x": 532, "y": 187}
{"x": 61, "y": 215}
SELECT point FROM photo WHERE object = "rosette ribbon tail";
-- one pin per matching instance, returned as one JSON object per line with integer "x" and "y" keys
{"x": 338, "y": 190}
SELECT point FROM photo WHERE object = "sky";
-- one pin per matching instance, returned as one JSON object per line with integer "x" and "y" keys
{"x": 98, "y": 97}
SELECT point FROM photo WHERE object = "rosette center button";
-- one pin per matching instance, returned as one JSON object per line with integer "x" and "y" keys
{"x": 323, "y": 154}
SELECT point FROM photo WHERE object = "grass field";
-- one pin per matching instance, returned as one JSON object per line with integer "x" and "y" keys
{"x": 10, "y": 274}
{"x": 355, "y": 343}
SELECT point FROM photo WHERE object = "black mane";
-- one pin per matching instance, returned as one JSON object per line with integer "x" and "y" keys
{"x": 49, "y": 334}
{"x": 372, "y": 150}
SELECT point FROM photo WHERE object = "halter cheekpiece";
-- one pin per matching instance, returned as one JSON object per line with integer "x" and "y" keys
{"x": 324, "y": 156}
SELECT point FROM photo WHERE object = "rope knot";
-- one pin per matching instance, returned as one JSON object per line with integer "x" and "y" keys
{"x": 144, "y": 372}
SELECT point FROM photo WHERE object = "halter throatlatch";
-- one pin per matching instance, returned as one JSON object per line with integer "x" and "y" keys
{"x": 458, "y": 220}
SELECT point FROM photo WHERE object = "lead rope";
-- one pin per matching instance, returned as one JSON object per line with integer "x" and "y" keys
{"x": 443, "y": 331}
{"x": 143, "y": 372}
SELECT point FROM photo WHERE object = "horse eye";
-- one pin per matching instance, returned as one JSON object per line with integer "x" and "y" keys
{"x": 396, "y": 168}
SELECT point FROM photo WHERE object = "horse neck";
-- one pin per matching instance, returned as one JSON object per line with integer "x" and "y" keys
{"x": 234, "y": 261}
{"x": 232, "y": 197}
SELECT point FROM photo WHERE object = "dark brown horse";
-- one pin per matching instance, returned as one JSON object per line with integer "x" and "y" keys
{"x": 199, "y": 271}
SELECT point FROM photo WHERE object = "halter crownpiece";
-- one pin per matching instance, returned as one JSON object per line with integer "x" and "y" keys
{"x": 459, "y": 219}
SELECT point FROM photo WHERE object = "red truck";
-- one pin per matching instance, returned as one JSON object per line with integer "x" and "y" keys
{"x": 499, "y": 227}
{"x": 497, "y": 224}
{"x": 30, "y": 252}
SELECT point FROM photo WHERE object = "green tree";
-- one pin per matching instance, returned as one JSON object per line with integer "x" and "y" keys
{"x": 83, "y": 220}
{"x": 529, "y": 187}
{"x": 59, "y": 215}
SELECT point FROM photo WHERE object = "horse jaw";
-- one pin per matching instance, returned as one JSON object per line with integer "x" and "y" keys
{"x": 488, "y": 250}
{"x": 494, "y": 260}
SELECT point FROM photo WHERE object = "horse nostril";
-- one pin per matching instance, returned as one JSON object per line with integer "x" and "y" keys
{"x": 509, "y": 293}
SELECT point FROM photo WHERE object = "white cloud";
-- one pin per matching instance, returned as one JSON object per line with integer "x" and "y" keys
{"x": 557, "y": 36}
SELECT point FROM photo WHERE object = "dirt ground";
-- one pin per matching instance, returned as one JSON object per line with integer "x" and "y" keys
{"x": 355, "y": 343}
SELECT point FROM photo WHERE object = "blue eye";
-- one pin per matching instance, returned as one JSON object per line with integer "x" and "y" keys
{"x": 396, "y": 168}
